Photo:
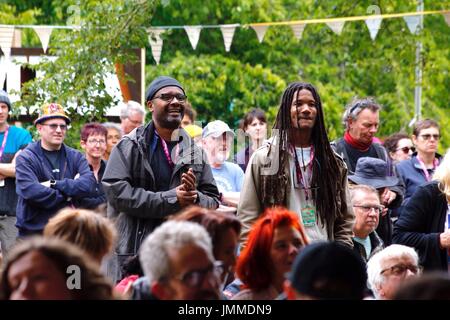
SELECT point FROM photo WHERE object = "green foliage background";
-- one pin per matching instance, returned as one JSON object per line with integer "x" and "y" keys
{"x": 224, "y": 85}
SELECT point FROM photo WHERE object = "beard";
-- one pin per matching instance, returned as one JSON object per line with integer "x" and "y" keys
{"x": 165, "y": 120}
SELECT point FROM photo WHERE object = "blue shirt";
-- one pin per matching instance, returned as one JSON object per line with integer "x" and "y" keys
{"x": 229, "y": 177}
{"x": 18, "y": 138}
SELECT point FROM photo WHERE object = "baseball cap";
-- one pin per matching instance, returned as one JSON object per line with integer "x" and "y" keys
{"x": 216, "y": 129}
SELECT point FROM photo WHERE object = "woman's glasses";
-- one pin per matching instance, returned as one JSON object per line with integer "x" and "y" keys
{"x": 406, "y": 149}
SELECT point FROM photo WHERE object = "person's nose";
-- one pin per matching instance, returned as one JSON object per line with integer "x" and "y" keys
{"x": 24, "y": 292}
{"x": 293, "y": 250}
{"x": 409, "y": 273}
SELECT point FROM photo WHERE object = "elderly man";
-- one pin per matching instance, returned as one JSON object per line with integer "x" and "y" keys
{"x": 12, "y": 140}
{"x": 155, "y": 171}
{"x": 132, "y": 116}
{"x": 217, "y": 142}
{"x": 298, "y": 169}
{"x": 49, "y": 174}
{"x": 391, "y": 267}
{"x": 367, "y": 208}
{"x": 178, "y": 262}
{"x": 361, "y": 119}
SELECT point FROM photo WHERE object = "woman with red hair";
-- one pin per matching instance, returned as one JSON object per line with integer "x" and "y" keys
{"x": 271, "y": 248}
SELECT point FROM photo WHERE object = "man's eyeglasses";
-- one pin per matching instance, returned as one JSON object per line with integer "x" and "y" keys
{"x": 428, "y": 136}
{"x": 95, "y": 142}
{"x": 195, "y": 278}
{"x": 400, "y": 269}
{"x": 168, "y": 97}
{"x": 55, "y": 126}
{"x": 368, "y": 209}
{"x": 406, "y": 149}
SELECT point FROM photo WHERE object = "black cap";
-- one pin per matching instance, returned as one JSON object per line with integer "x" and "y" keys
{"x": 159, "y": 83}
{"x": 329, "y": 270}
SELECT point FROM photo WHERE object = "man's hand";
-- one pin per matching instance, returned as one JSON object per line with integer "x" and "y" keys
{"x": 387, "y": 197}
{"x": 188, "y": 180}
{"x": 444, "y": 239}
{"x": 186, "y": 198}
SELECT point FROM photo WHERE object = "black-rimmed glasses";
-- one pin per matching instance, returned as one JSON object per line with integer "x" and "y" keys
{"x": 168, "y": 97}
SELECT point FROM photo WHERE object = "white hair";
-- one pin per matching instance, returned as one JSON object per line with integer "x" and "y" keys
{"x": 112, "y": 125}
{"x": 131, "y": 106}
{"x": 375, "y": 265}
{"x": 153, "y": 253}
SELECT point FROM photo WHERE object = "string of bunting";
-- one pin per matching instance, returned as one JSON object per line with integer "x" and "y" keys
{"x": 373, "y": 23}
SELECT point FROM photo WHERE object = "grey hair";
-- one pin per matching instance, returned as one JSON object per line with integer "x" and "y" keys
{"x": 354, "y": 108}
{"x": 354, "y": 189}
{"x": 131, "y": 106}
{"x": 172, "y": 234}
{"x": 115, "y": 126}
{"x": 374, "y": 266}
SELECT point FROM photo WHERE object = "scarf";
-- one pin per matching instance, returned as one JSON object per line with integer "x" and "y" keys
{"x": 361, "y": 146}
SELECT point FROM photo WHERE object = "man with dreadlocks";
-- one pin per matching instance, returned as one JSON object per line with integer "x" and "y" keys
{"x": 299, "y": 170}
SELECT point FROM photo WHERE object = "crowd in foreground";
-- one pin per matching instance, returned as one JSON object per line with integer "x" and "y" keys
{"x": 155, "y": 211}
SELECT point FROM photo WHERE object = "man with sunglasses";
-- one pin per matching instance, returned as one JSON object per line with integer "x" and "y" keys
{"x": 49, "y": 175}
{"x": 361, "y": 119}
{"x": 155, "y": 171}
{"x": 12, "y": 140}
{"x": 420, "y": 168}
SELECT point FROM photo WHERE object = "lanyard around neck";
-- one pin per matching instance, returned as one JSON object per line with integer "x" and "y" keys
{"x": 2, "y": 148}
{"x": 301, "y": 179}
{"x": 166, "y": 150}
{"x": 424, "y": 167}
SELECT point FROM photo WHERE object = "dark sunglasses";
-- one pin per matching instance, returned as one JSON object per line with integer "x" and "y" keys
{"x": 168, "y": 97}
{"x": 428, "y": 136}
{"x": 54, "y": 126}
{"x": 406, "y": 149}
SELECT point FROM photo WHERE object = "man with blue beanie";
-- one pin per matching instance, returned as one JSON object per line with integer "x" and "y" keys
{"x": 155, "y": 171}
{"x": 12, "y": 140}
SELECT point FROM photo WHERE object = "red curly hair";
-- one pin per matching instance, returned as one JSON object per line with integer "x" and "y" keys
{"x": 254, "y": 266}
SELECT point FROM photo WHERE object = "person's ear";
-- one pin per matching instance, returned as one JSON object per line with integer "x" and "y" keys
{"x": 160, "y": 291}
{"x": 414, "y": 139}
{"x": 83, "y": 144}
{"x": 150, "y": 105}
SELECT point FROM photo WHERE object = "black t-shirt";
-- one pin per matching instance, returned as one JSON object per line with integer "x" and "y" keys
{"x": 54, "y": 159}
{"x": 160, "y": 166}
{"x": 355, "y": 154}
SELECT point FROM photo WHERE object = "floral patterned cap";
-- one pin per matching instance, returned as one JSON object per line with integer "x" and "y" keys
{"x": 51, "y": 111}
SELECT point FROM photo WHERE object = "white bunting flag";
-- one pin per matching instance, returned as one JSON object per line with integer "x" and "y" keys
{"x": 3, "y": 69}
{"x": 412, "y": 22}
{"x": 154, "y": 37}
{"x": 374, "y": 26}
{"x": 193, "y": 33}
{"x": 260, "y": 32}
{"x": 298, "y": 30}
{"x": 6, "y": 40}
{"x": 336, "y": 26}
{"x": 44, "y": 34}
{"x": 447, "y": 18}
{"x": 227, "y": 33}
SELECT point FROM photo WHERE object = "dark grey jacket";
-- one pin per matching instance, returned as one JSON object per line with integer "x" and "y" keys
{"x": 129, "y": 184}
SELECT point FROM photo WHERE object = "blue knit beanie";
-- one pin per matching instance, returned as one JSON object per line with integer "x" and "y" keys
{"x": 159, "y": 83}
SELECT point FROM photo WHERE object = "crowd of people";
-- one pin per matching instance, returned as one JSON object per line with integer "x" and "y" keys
{"x": 165, "y": 210}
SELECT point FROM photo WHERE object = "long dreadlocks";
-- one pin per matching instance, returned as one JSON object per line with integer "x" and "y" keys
{"x": 326, "y": 172}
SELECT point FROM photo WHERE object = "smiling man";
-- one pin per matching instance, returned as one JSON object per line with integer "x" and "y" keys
{"x": 155, "y": 171}
{"x": 298, "y": 169}
{"x": 49, "y": 174}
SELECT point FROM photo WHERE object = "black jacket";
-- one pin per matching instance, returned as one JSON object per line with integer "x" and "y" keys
{"x": 375, "y": 241}
{"x": 129, "y": 183}
{"x": 420, "y": 224}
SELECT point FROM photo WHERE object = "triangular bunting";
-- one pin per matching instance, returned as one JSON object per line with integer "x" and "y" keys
{"x": 298, "y": 30}
{"x": 447, "y": 18}
{"x": 374, "y": 26}
{"x": 260, "y": 32}
{"x": 193, "y": 33}
{"x": 412, "y": 22}
{"x": 154, "y": 37}
{"x": 3, "y": 69}
{"x": 336, "y": 26}
{"x": 227, "y": 33}
{"x": 44, "y": 34}
{"x": 6, "y": 40}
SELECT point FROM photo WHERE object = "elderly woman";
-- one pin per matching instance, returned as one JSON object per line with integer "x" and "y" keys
{"x": 42, "y": 269}
{"x": 271, "y": 248}
{"x": 423, "y": 223}
{"x": 389, "y": 268}
{"x": 113, "y": 137}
